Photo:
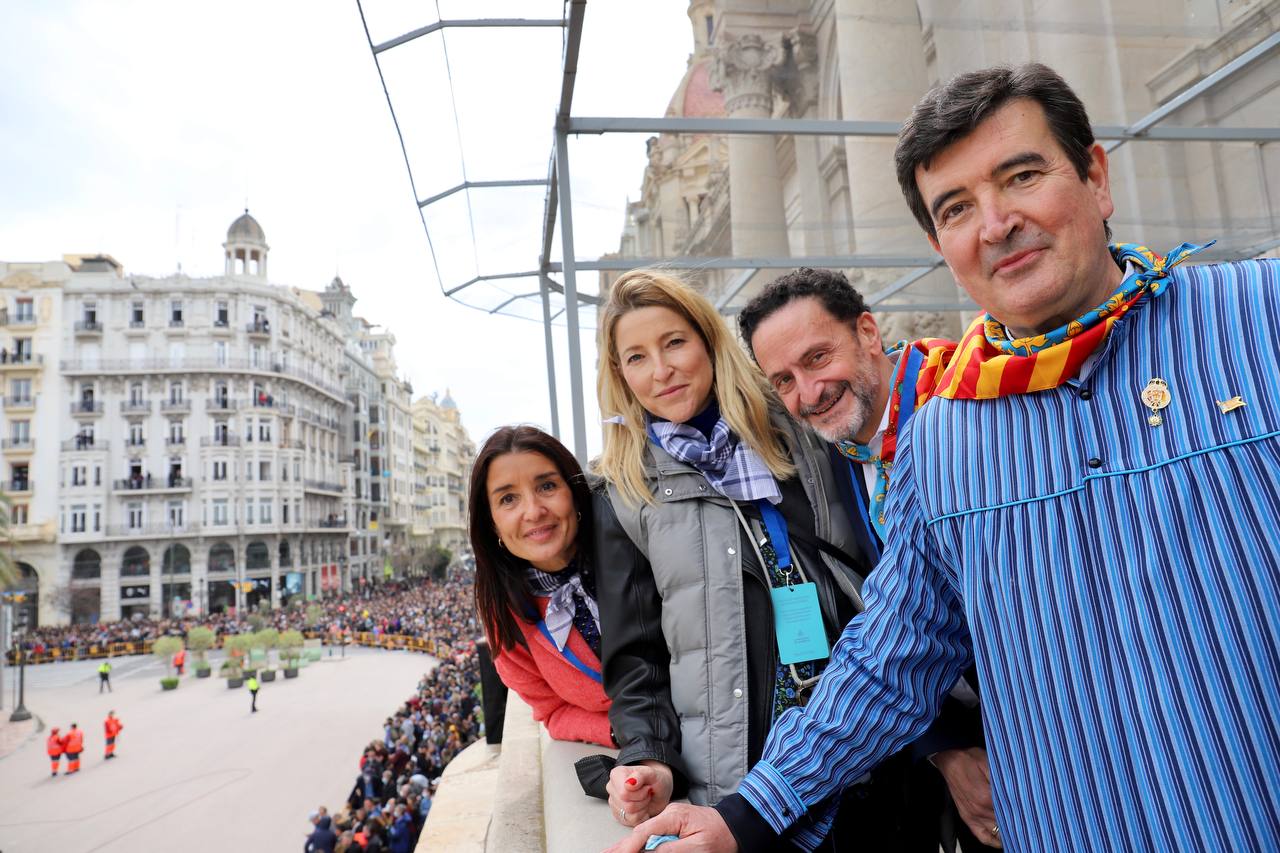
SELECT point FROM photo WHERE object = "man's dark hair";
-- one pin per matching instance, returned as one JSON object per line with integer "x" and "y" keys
{"x": 952, "y": 110}
{"x": 829, "y": 287}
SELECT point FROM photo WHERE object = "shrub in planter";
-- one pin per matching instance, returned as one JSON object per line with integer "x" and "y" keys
{"x": 203, "y": 670}
{"x": 290, "y": 651}
{"x": 266, "y": 640}
{"x": 164, "y": 649}
{"x": 200, "y": 639}
{"x": 267, "y": 675}
{"x": 235, "y": 682}
{"x": 237, "y": 648}
{"x": 169, "y": 682}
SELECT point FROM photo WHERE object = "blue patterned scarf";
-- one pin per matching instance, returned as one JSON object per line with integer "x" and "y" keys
{"x": 731, "y": 467}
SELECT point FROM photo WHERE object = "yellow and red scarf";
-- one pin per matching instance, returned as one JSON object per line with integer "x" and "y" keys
{"x": 989, "y": 364}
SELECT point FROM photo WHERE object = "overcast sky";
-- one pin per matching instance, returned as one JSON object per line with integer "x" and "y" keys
{"x": 141, "y": 129}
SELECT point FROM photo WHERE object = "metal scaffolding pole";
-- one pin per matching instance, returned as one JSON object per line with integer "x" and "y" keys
{"x": 551, "y": 354}
{"x": 567, "y": 267}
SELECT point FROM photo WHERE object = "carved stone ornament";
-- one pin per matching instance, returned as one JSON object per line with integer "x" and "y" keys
{"x": 742, "y": 68}
{"x": 797, "y": 79}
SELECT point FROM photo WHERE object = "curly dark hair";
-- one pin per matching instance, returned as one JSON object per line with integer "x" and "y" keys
{"x": 952, "y": 110}
{"x": 840, "y": 299}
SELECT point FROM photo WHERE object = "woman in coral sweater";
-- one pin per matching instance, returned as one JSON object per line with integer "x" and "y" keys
{"x": 535, "y": 592}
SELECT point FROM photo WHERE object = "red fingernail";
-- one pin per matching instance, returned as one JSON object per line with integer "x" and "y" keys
{"x": 631, "y": 781}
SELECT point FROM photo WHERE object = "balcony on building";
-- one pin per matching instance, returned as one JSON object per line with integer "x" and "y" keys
{"x": 292, "y": 444}
{"x": 220, "y": 441}
{"x": 259, "y": 327}
{"x": 322, "y": 487}
{"x": 88, "y": 328}
{"x": 20, "y": 360}
{"x": 173, "y": 443}
{"x": 86, "y": 408}
{"x": 17, "y": 445}
{"x": 331, "y": 522}
{"x": 221, "y": 404}
{"x": 23, "y": 318}
{"x": 172, "y": 405}
{"x": 150, "y": 531}
{"x": 146, "y": 483}
{"x": 18, "y": 486}
{"x": 83, "y": 443}
{"x": 135, "y": 443}
{"x": 135, "y": 407}
{"x": 11, "y": 403}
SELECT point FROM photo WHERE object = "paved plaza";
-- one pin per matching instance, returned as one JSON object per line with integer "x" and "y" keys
{"x": 196, "y": 772}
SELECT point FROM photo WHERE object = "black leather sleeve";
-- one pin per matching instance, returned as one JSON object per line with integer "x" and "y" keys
{"x": 637, "y": 675}
{"x": 955, "y": 727}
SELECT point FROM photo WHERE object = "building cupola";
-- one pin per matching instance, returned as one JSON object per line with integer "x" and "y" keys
{"x": 246, "y": 248}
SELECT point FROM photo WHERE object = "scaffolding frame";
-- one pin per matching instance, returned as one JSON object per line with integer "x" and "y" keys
{"x": 558, "y": 201}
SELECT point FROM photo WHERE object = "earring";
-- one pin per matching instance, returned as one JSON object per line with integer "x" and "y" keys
{"x": 579, "y": 516}
{"x": 500, "y": 545}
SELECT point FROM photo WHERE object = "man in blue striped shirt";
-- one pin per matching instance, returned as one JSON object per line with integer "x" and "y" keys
{"x": 1095, "y": 528}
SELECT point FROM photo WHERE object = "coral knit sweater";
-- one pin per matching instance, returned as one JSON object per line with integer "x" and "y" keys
{"x": 570, "y": 703}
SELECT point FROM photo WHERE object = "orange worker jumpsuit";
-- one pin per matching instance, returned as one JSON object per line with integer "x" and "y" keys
{"x": 73, "y": 746}
{"x": 180, "y": 660}
{"x": 112, "y": 726}
{"x": 54, "y": 747}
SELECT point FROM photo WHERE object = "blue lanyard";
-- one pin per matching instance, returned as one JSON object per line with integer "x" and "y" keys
{"x": 568, "y": 654}
{"x": 861, "y": 508}
{"x": 776, "y": 526}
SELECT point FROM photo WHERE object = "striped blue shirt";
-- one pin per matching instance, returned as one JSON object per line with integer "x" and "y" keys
{"x": 1117, "y": 583}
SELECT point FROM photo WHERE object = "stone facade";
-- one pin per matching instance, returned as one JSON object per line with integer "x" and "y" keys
{"x": 871, "y": 60}
{"x": 194, "y": 444}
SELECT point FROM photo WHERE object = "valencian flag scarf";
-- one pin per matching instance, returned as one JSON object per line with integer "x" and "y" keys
{"x": 989, "y": 364}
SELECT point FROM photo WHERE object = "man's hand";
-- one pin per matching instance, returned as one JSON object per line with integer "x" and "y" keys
{"x": 637, "y": 792}
{"x": 701, "y": 830}
{"x": 969, "y": 779}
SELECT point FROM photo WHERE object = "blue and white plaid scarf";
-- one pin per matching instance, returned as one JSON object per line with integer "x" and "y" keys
{"x": 731, "y": 467}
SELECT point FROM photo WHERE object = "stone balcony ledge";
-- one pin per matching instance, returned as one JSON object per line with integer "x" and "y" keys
{"x": 520, "y": 797}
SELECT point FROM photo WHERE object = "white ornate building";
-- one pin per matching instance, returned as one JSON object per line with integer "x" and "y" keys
{"x": 194, "y": 443}
{"x": 443, "y": 454}
{"x": 871, "y": 60}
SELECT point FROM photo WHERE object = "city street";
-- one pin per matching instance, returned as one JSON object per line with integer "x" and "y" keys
{"x": 195, "y": 770}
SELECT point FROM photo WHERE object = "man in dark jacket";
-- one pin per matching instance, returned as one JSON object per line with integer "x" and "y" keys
{"x": 322, "y": 839}
{"x": 819, "y": 346}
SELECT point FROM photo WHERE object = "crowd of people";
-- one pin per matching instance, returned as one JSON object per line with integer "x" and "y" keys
{"x": 392, "y": 608}
{"x": 398, "y": 772}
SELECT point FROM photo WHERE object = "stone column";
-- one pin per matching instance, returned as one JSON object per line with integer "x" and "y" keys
{"x": 274, "y": 595}
{"x": 882, "y": 76}
{"x": 742, "y": 69}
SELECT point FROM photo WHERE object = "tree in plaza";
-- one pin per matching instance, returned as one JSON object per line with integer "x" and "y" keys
{"x": 438, "y": 559}
{"x": 290, "y": 649}
{"x": 266, "y": 640}
{"x": 237, "y": 647}
{"x": 315, "y": 613}
{"x": 200, "y": 639}
{"x": 164, "y": 649}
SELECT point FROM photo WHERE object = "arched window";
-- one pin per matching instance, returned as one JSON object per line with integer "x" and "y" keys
{"x": 177, "y": 560}
{"x": 256, "y": 556}
{"x": 86, "y": 566}
{"x": 222, "y": 558}
{"x": 136, "y": 563}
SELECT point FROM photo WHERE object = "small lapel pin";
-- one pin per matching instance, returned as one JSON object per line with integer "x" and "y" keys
{"x": 1155, "y": 397}
{"x": 1231, "y": 405}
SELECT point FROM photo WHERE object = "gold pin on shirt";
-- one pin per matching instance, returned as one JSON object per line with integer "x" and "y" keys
{"x": 1231, "y": 405}
{"x": 1156, "y": 397}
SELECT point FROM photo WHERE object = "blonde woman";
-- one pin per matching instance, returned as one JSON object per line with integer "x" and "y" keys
{"x": 715, "y": 504}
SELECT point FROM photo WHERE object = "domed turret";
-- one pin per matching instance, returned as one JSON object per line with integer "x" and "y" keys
{"x": 246, "y": 247}
{"x": 447, "y": 402}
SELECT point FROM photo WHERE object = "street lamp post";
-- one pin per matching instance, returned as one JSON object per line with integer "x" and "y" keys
{"x": 21, "y": 713}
